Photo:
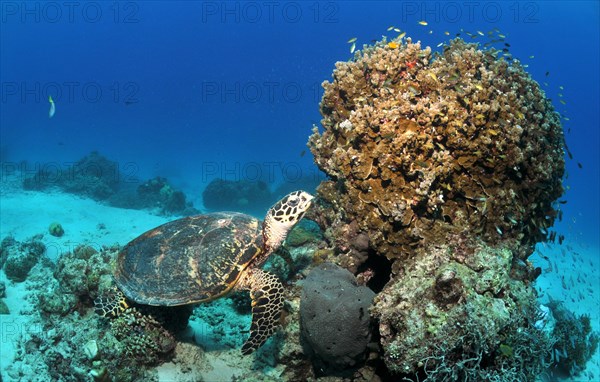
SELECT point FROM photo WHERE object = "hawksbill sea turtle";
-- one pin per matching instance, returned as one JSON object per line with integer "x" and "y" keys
{"x": 201, "y": 258}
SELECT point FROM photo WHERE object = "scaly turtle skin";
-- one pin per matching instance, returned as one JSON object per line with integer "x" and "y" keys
{"x": 200, "y": 258}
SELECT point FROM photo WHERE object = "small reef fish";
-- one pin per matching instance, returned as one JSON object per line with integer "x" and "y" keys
{"x": 424, "y": 23}
{"x": 390, "y": 28}
{"x": 393, "y": 45}
{"x": 52, "y": 107}
{"x": 353, "y": 39}
{"x": 353, "y": 47}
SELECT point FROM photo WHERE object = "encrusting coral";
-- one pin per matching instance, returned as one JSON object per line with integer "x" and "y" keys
{"x": 419, "y": 145}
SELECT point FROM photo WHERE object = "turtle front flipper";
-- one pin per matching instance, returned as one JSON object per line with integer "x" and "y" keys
{"x": 266, "y": 292}
{"x": 111, "y": 305}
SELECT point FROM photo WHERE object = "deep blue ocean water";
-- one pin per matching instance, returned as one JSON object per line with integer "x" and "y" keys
{"x": 197, "y": 90}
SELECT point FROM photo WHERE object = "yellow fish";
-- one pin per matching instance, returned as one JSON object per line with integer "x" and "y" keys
{"x": 424, "y": 23}
{"x": 393, "y": 45}
{"x": 52, "y": 107}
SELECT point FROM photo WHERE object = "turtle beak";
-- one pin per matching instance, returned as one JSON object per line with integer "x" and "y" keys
{"x": 305, "y": 200}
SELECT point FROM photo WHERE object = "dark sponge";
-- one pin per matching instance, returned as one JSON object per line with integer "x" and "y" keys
{"x": 334, "y": 318}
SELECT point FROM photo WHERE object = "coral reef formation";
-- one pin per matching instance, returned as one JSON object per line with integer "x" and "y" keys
{"x": 144, "y": 339}
{"x": 242, "y": 195}
{"x": 78, "y": 277}
{"x": 93, "y": 176}
{"x": 334, "y": 318}
{"x": 419, "y": 146}
{"x": 81, "y": 345}
{"x": 575, "y": 343}
{"x": 158, "y": 193}
{"x": 99, "y": 178}
{"x": 3, "y": 307}
{"x": 448, "y": 166}
{"x": 17, "y": 258}
{"x": 452, "y": 309}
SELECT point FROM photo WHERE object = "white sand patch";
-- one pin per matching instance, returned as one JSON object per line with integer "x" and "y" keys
{"x": 28, "y": 213}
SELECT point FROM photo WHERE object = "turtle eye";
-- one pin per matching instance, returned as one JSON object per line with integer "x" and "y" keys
{"x": 293, "y": 201}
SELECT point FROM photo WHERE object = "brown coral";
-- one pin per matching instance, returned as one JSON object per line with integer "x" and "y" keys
{"x": 419, "y": 146}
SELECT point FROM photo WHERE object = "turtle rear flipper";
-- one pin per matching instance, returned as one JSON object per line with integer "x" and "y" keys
{"x": 266, "y": 292}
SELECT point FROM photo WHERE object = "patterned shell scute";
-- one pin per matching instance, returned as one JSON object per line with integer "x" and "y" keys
{"x": 189, "y": 260}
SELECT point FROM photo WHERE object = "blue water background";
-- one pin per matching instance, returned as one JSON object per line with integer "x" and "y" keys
{"x": 197, "y": 90}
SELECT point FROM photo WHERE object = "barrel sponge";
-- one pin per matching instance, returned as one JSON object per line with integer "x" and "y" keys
{"x": 334, "y": 317}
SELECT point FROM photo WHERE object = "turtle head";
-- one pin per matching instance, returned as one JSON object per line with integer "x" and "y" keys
{"x": 282, "y": 217}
